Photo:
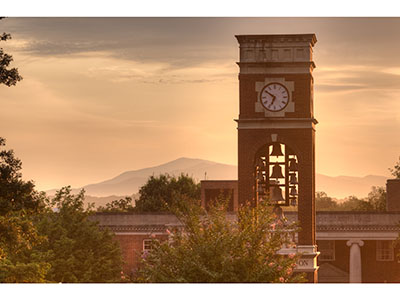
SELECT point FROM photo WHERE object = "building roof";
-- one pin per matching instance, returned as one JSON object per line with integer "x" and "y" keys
{"x": 326, "y": 221}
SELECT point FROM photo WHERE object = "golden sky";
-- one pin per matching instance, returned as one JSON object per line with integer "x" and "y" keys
{"x": 101, "y": 96}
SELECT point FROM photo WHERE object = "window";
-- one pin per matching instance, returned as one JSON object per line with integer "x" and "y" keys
{"x": 327, "y": 249}
{"x": 384, "y": 250}
{"x": 147, "y": 245}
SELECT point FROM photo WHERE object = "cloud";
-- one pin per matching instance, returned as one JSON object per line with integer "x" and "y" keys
{"x": 178, "y": 42}
{"x": 349, "y": 78}
{"x": 160, "y": 73}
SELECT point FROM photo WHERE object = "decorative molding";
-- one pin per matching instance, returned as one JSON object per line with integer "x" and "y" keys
{"x": 278, "y": 38}
{"x": 276, "y": 123}
{"x": 358, "y": 242}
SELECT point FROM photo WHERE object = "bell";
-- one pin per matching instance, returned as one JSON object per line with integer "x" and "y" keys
{"x": 276, "y": 195}
{"x": 259, "y": 162}
{"x": 292, "y": 165}
{"x": 293, "y": 179}
{"x": 276, "y": 171}
{"x": 293, "y": 201}
{"x": 276, "y": 150}
{"x": 293, "y": 191}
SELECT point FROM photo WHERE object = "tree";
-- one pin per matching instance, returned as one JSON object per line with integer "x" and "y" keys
{"x": 163, "y": 192}
{"x": 352, "y": 203}
{"x": 16, "y": 194}
{"x": 76, "y": 249}
{"x": 8, "y": 76}
{"x": 325, "y": 203}
{"x": 121, "y": 205}
{"x": 18, "y": 203}
{"x": 18, "y": 263}
{"x": 396, "y": 170}
{"x": 44, "y": 240}
{"x": 213, "y": 247}
{"x": 377, "y": 198}
{"x": 375, "y": 201}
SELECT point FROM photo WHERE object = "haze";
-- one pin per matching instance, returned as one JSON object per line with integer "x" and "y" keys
{"x": 101, "y": 96}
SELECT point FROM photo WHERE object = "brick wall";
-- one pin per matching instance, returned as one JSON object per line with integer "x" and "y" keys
{"x": 373, "y": 271}
{"x": 132, "y": 248}
{"x": 211, "y": 190}
{"x": 393, "y": 195}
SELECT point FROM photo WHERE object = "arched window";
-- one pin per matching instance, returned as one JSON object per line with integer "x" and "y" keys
{"x": 276, "y": 175}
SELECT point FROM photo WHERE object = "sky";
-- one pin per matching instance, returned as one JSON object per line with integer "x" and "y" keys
{"x": 101, "y": 96}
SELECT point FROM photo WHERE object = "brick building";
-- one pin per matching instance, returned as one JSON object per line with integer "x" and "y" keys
{"x": 353, "y": 246}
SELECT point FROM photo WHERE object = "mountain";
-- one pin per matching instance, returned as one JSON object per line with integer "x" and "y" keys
{"x": 129, "y": 182}
{"x": 344, "y": 186}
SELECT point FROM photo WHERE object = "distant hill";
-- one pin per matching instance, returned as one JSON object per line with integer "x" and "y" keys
{"x": 129, "y": 182}
{"x": 344, "y": 186}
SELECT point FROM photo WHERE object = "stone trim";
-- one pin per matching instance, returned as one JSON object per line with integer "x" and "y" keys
{"x": 277, "y": 38}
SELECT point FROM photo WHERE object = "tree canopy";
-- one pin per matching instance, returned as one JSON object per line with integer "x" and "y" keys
{"x": 216, "y": 247}
{"x": 375, "y": 201}
{"x": 396, "y": 169}
{"x": 121, "y": 205}
{"x": 15, "y": 194}
{"x": 164, "y": 192}
{"x": 50, "y": 240}
{"x": 8, "y": 76}
{"x": 75, "y": 247}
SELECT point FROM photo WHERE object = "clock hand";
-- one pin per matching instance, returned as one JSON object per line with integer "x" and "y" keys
{"x": 273, "y": 98}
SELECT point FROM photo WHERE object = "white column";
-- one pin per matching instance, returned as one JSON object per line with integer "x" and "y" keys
{"x": 355, "y": 260}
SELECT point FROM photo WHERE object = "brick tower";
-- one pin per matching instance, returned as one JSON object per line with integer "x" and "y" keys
{"x": 276, "y": 109}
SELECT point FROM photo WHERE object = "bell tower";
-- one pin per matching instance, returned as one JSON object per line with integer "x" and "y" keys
{"x": 276, "y": 130}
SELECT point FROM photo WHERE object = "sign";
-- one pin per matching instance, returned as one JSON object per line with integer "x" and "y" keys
{"x": 306, "y": 264}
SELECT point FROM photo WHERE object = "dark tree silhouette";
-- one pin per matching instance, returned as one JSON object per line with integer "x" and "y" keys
{"x": 8, "y": 76}
{"x": 165, "y": 192}
{"x": 15, "y": 193}
{"x": 396, "y": 170}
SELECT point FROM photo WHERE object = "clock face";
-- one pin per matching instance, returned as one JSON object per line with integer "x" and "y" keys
{"x": 274, "y": 96}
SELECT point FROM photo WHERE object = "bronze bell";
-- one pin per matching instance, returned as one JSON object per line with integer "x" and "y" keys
{"x": 293, "y": 191}
{"x": 293, "y": 165}
{"x": 293, "y": 179}
{"x": 276, "y": 150}
{"x": 276, "y": 172}
{"x": 265, "y": 168}
{"x": 259, "y": 162}
{"x": 293, "y": 201}
{"x": 276, "y": 195}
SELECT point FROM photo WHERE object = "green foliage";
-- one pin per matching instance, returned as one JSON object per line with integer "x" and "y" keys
{"x": 352, "y": 203}
{"x": 216, "y": 247}
{"x": 325, "y": 203}
{"x": 121, "y": 205}
{"x": 8, "y": 76}
{"x": 164, "y": 192}
{"x": 377, "y": 198}
{"x": 396, "y": 170}
{"x": 18, "y": 262}
{"x": 16, "y": 194}
{"x": 375, "y": 201}
{"x": 76, "y": 249}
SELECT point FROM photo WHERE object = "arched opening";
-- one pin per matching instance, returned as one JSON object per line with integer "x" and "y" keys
{"x": 276, "y": 175}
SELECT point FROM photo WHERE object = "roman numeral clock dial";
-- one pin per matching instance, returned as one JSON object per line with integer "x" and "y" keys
{"x": 274, "y": 96}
